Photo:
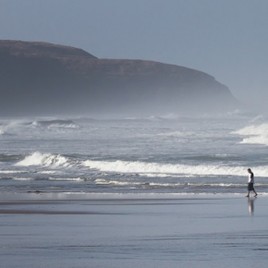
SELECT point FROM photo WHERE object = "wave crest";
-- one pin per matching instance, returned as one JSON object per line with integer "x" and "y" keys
{"x": 55, "y": 124}
{"x": 144, "y": 169}
{"x": 254, "y": 134}
{"x": 44, "y": 159}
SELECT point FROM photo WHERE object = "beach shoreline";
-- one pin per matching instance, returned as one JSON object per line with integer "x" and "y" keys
{"x": 53, "y": 200}
{"x": 76, "y": 230}
{"x": 60, "y": 196}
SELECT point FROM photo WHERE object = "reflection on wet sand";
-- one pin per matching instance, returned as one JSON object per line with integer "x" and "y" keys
{"x": 251, "y": 201}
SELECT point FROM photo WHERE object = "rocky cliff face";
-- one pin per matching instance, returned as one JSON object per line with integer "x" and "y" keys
{"x": 41, "y": 78}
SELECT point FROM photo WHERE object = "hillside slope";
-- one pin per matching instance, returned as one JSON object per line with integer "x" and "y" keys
{"x": 41, "y": 78}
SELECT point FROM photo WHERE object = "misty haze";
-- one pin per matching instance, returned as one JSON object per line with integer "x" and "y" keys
{"x": 133, "y": 133}
{"x": 46, "y": 79}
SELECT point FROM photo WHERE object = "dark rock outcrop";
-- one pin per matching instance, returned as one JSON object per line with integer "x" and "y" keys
{"x": 41, "y": 78}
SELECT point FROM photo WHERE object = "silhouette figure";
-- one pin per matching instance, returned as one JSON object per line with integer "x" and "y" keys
{"x": 251, "y": 183}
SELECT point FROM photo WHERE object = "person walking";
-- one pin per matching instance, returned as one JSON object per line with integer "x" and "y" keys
{"x": 251, "y": 183}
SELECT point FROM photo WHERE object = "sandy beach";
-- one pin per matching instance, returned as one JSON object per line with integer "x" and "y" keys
{"x": 79, "y": 231}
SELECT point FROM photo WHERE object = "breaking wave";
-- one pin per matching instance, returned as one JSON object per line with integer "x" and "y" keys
{"x": 55, "y": 124}
{"x": 44, "y": 159}
{"x": 163, "y": 184}
{"x": 66, "y": 179}
{"x": 254, "y": 134}
{"x": 7, "y": 128}
{"x": 136, "y": 168}
{"x": 165, "y": 170}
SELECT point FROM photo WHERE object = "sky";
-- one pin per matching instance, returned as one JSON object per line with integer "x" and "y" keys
{"x": 227, "y": 39}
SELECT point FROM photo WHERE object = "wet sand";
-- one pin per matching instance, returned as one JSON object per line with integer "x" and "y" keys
{"x": 39, "y": 230}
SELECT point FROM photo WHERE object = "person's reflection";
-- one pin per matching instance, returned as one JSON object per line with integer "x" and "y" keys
{"x": 251, "y": 205}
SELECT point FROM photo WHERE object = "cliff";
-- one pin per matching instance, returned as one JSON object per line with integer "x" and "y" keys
{"x": 42, "y": 78}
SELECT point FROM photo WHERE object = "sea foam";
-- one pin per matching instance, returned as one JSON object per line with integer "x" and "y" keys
{"x": 164, "y": 170}
{"x": 254, "y": 134}
{"x": 57, "y": 123}
{"x": 44, "y": 159}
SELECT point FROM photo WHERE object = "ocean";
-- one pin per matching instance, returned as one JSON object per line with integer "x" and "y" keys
{"x": 169, "y": 155}
{"x": 150, "y": 192}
